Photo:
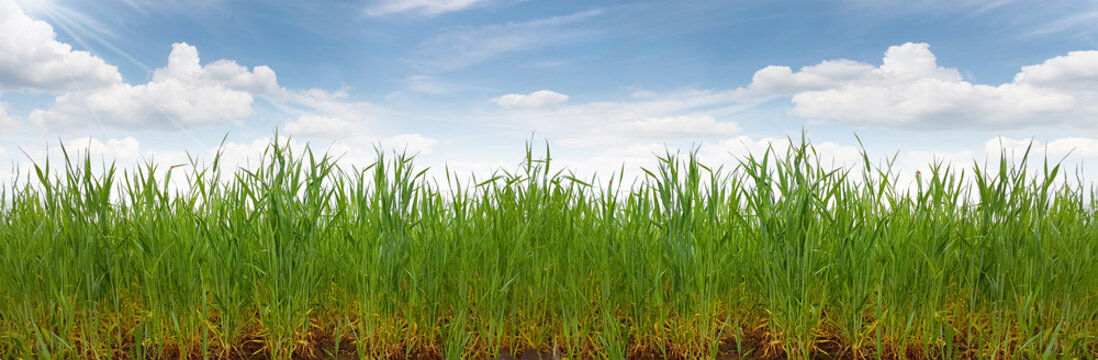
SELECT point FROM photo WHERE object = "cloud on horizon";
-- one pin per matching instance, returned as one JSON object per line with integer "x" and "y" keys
{"x": 911, "y": 91}
{"x": 541, "y": 99}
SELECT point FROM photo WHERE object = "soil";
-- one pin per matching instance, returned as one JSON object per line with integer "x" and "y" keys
{"x": 320, "y": 345}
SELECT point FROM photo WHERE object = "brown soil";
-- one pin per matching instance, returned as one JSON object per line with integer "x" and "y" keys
{"x": 321, "y": 346}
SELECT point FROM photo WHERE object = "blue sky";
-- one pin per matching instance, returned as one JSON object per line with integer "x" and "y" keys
{"x": 465, "y": 83}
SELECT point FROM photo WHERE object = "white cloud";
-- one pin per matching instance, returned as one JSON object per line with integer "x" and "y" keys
{"x": 683, "y": 127}
{"x": 591, "y": 141}
{"x": 348, "y": 153}
{"x": 398, "y": 97}
{"x": 182, "y": 94}
{"x": 330, "y": 103}
{"x": 128, "y": 153}
{"x": 424, "y": 7}
{"x": 627, "y": 159}
{"x": 351, "y": 140}
{"x": 412, "y": 143}
{"x": 1070, "y": 149}
{"x": 915, "y": 61}
{"x": 910, "y": 90}
{"x": 633, "y": 154}
{"x": 260, "y": 80}
{"x": 466, "y": 170}
{"x": 359, "y": 149}
{"x": 642, "y": 106}
{"x": 323, "y": 126}
{"x": 729, "y": 151}
{"x": 123, "y": 151}
{"x": 248, "y": 154}
{"x": 680, "y": 127}
{"x": 541, "y": 99}
{"x": 8, "y": 122}
{"x": 426, "y": 84}
{"x": 1078, "y": 71}
{"x": 32, "y": 59}
{"x": 235, "y": 155}
{"x": 671, "y": 116}
{"x": 828, "y": 74}
{"x": 322, "y": 114}
{"x": 1082, "y": 20}
{"x": 465, "y": 46}
{"x": 9, "y": 167}
{"x": 911, "y": 161}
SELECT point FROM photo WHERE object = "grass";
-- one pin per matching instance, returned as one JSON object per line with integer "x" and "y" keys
{"x": 778, "y": 256}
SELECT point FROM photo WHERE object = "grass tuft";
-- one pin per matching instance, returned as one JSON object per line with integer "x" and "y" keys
{"x": 778, "y": 256}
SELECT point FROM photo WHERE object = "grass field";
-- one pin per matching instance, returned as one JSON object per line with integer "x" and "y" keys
{"x": 777, "y": 257}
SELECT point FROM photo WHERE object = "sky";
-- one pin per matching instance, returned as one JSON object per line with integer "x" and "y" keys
{"x": 465, "y": 84}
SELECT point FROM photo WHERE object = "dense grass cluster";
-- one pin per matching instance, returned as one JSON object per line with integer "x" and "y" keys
{"x": 779, "y": 256}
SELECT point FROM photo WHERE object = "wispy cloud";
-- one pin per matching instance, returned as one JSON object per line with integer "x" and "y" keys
{"x": 422, "y": 7}
{"x": 147, "y": 7}
{"x": 1083, "y": 21}
{"x": 932, "y": 6}
{"x": 465, "y": 46}
{"x": 426, "y": 84}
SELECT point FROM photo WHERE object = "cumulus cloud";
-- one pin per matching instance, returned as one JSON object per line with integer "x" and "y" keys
{"x": 1078, "y": 70}
{"x": 910, "y": 90}
{"x": 183, "y": 94}
{"x": 32, "y": 59}
{"x": 424, "y": 7}
{"x": 782, "y": 80}
{"x": 541, "y": 99}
